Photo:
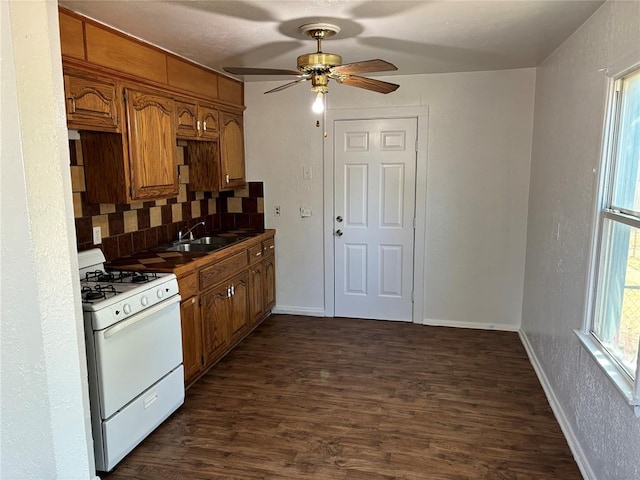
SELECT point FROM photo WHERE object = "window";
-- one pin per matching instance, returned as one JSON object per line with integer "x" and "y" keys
{"x": 615, "y": 315}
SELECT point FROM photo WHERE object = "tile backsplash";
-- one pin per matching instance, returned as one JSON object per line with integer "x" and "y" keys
{"x": 128, "y": 229}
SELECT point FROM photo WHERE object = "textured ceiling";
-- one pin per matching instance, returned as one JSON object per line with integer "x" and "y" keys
{"x": 416, "y": 36}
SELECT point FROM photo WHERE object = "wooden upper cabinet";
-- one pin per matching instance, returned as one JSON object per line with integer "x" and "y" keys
{"x": 192, "y": 78}
{"x": 230, "y": 90}
{"x": 152, "y": 146}
{"x": 232, "y": 174}
{"x": 113, "y": 50}
{"x": 140, "y": 164}
{"x": 71, "y": 36}
{"x": 209, "y": 122}
{"x": 86, "y": 43}
{"x": 195, "y": 120}
{"x": 91, "y": 102}
{"x": 186, "y": 119}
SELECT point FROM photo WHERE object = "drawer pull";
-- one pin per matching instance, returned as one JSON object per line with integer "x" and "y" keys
{"x": 258, "y": 254}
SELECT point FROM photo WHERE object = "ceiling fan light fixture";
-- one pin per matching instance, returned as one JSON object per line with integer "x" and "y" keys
{"x": 319, "y": 67}
{"x": 318, "y": 104}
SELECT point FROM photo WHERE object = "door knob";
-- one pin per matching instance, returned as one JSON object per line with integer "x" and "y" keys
{"x": 339, "y": 219}
{"x": 339, "y": 233}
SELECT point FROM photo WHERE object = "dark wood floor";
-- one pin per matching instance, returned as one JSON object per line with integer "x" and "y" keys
{"x": 324, "y": 398}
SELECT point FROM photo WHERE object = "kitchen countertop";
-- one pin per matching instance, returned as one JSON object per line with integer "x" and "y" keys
{"x": 158, "y": 260}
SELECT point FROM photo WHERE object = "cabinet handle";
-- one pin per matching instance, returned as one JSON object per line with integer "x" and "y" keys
{"x": 72, "y": 104}
{"x": 227, "y": 177}
{"x": 204, "y": 125}
{"x": 233, "y": 290}
{"x": 198, "y": 125}
{"x": 258, "y": 254}
{"x": 228, "y": 292}
{"x": 193, "y": 300}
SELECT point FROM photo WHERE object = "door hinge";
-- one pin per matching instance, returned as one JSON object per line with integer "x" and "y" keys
{"x": 414, "y": 223}
{"x": 417, "y": 145}
{"x": 412, "y": 296}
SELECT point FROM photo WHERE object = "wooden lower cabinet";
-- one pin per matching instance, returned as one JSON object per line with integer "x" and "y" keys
{"x": 224, "y": 316}
{"x": 216, "y": 314}
{"x": 222, "y": 301}
{"x": 256, "y": 292}
{"x": 269, "y": 283}
{"x": 191, "y": 337}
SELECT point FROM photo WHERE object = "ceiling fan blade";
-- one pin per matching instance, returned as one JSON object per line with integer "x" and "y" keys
{"x": 259, "y": 71}
{"x": 368, "y": 84}
{"x": 287, "y": 85}
{"x": 366, "y": 66}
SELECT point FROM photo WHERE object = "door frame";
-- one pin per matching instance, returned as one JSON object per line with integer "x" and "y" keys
{"x": 421, "y": 113}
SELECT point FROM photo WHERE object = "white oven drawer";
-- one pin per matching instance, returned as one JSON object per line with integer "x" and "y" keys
{"x": 132, "y": 424}
{"x": 132, "y": 355}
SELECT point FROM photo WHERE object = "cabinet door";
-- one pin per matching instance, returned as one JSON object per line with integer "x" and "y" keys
{"x": 231, "y": 151}
{"x": 256, "y": 293}
{"x": 152, "y": 145}
{"x": 240, "y": 301}
{"x": 186, "y": 120}
{"x": 91, "y": 103}
{"x": 204, "y": 166}
{"x": 216, "y": 312}
{"x": 208, "y": 122}
{"x": 191, "y": 338}
{"x": 269, "y": 282}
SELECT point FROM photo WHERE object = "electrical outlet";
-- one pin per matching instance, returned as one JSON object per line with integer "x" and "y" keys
{"x": 276, "y": 211}
{"x": 97, "y": 235}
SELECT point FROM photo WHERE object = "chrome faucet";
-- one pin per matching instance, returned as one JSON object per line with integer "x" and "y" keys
{"x": 189, "y": 232}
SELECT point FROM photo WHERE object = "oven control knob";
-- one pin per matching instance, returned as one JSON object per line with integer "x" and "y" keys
{"x": 160, "y": 294}
{"x": 126, "y": 308}
{"x": 144, "y": 301}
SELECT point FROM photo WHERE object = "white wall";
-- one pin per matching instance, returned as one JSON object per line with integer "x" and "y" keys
{"x": 569, "y": 112}
{"x": 45, "y": 428}
{"x": 479, "y": 147}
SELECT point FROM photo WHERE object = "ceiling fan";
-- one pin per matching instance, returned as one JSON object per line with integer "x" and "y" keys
{"x": 319, "y": 67}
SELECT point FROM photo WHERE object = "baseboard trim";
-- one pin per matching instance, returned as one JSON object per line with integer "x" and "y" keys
{"x": 291, "y": 310}
{"x": 434, "y": 322}
{"x": 565, "y": 426}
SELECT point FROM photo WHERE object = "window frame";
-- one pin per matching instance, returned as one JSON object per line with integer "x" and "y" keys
{"x": 627, "y": 386}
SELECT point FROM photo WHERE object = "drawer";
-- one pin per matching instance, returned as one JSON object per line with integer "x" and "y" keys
{"x": 223, "y": 269}
{"x": 255, "y": 254}
{"x": 268, "y": 247}
{"x": 188, "y": 286}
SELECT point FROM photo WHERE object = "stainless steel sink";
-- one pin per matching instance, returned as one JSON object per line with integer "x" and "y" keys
{"x": 201, "y": 245}
{"x": 215, "y": 241}
{"x": 191, "y": 247}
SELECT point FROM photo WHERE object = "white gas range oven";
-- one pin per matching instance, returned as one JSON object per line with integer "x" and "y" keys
{"x": 134, "y": 354}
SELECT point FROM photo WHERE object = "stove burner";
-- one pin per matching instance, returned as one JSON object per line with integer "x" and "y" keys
{"x": 106, "y": 277}
{"x": 98, "y": 292}
{"x": 139, "y": 278}
{"x": 94, "y": 295}
{"x": 93, "y": 276}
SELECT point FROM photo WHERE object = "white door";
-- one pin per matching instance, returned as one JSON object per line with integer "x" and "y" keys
{"x": 375, "y": 165}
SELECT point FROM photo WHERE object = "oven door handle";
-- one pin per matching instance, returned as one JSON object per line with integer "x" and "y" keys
{"x": 111, "y": 331}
